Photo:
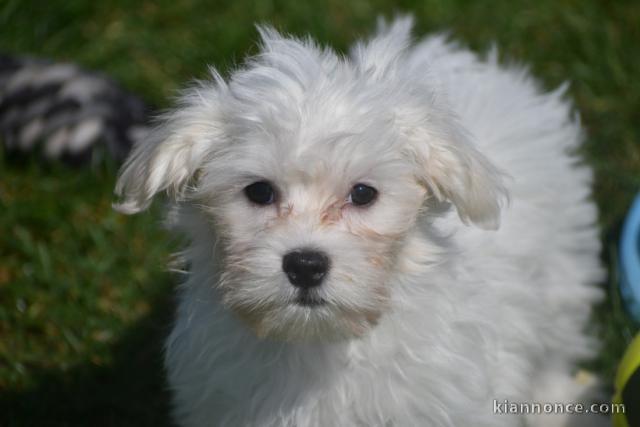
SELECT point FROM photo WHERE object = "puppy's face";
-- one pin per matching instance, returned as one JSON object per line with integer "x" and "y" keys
{"x": 312, "y": 170}
{"x": 310, "y": 222}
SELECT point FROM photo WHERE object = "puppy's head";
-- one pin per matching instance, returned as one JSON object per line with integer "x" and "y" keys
{"x": 313, "y": 171}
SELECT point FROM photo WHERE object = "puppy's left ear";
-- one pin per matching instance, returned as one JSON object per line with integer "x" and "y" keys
{"x": 168, "y": 158}
{"x": 454, "y": 170}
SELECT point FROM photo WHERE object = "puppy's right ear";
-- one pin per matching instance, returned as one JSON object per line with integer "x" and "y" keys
{"x": 168, "y": 158}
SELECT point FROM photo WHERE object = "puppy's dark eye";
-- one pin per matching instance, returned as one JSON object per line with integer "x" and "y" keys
{"x": 261, "y": 193}
{"x": 362, "y": 194}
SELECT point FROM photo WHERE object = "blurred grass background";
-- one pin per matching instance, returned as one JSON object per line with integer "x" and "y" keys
{"x": 84, "y": 295}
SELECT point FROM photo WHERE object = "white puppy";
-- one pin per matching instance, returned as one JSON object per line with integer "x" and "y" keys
{"x": 348, "y": 262}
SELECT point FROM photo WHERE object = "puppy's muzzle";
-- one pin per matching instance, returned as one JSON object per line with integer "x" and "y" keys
{"x": 305, "y": 268}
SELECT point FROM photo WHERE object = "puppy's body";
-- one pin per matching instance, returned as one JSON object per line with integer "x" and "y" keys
{"x": 426, "y": 319}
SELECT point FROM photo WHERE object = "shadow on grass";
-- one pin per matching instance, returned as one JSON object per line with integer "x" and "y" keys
{"x": 130, "y": 392}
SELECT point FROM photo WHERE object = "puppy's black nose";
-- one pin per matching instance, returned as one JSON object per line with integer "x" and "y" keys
{"x": 305, "y": 268}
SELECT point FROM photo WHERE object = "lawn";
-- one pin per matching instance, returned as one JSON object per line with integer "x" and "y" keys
{"x": 85, "y": 297}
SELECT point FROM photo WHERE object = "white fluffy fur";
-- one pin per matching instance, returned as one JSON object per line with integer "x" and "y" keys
{"x": 443, "y": 295}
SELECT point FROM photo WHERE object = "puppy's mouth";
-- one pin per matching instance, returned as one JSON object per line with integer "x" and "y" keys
{"x": 308, "y": 299}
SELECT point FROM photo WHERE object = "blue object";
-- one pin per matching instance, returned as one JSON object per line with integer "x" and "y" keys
{"x": 630, "y": 260}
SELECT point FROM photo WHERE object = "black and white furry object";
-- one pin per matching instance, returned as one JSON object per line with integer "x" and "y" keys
{"x": 66, "y": 112}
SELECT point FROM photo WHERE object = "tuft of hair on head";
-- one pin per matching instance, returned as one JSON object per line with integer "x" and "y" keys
{"x": 383, "y": 51}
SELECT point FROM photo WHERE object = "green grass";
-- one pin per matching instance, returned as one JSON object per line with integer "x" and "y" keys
{"x": 84, "y": 296}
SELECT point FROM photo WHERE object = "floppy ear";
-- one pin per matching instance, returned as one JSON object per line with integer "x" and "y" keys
{"x": 454, "y": 170}
{"x": 168, "y": 158}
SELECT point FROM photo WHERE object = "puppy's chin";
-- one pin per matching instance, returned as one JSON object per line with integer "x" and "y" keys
{"x": 307, "y": 319}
